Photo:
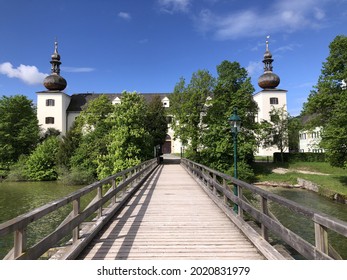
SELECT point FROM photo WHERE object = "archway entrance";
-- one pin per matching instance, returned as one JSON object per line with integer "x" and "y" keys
{"x": 166, "y": 149}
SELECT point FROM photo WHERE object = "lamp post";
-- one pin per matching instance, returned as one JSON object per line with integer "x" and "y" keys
{"x": 235, "y": 123}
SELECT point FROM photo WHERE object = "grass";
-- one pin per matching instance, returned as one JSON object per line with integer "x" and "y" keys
{"x": 335, "y": 182}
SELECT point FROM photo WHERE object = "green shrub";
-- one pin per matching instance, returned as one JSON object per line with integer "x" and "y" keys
{"x": 76, "y": 177}
{"x": 41, "y": 164}
{"x": 18, "y": 170}
{"x": 302, "y": 157}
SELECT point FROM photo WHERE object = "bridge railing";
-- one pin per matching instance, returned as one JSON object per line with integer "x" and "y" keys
{"x": 219, "y": 184}
{"x": 105, "y": 204}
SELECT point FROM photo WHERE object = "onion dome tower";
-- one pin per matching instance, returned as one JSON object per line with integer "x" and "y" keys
{"x": 55, "y": 82}
{"x": 268, "y": 80}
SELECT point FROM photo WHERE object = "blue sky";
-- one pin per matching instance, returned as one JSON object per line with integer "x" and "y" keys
{"x": 147, "y": 45}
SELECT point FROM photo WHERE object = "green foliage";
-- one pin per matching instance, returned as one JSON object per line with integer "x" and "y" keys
{"x": 41, "y": 164}
{"x": 326, "y": 105}
{"x": 233, "y": 89}
{"x": 67, "y": 147}
{"x": 299, "y": 157}
{"x": 51, "y": 131}
{"x": 130, "y": 142}
{"x": 88, "y": 139}
{"x": 156, "y": 121}
{"x": 294, "y": 127}
{"x": 275, "y": 132}
{"x": 18, "y": 170}
{"x": 76, "y": 176}
{"x": 188, "y": 104}
{"x": 94, "y": 114}
{"x": 19, "y": 130}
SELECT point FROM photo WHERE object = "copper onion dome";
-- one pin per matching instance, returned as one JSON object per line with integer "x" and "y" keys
{"x": 268, "y": 80}
{"x": 55, "y": 82}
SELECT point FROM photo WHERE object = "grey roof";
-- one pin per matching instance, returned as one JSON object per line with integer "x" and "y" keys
{"x": 78, "y": 100}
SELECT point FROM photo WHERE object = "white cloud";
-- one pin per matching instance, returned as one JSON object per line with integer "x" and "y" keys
{"x": 281, "y": 16}
{"x": 172, "y": 6}
{"x": 254, "y": 68}
{"x": 124, "y": 15}
{"x": 77, "y": 69}
{"x": 27, "y": 73}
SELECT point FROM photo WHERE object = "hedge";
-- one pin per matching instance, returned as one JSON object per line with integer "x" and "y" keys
{"x": 302, "y": 157}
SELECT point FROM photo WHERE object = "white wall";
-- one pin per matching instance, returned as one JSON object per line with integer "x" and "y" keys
{"x": 58, "y": 111}
{"x": 309, "y": 141}
{"x": 263, "y": 100}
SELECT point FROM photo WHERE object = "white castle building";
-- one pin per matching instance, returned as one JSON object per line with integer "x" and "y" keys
{"x": 56, "y": 109}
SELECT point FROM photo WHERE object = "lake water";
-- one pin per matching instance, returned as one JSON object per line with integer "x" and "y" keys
{"x": 303, "y": 226}
{"x": 19, "y": 198}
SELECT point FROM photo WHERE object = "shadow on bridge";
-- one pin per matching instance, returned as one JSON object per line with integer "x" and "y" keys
{"x": 171, "y": 159}
{"x": 120, "y": 232}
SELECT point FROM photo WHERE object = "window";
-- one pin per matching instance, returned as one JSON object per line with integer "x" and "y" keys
{"x": 273, "y": 100}
{"x": 50, "y": 102}
{"x": 49, "y": 120}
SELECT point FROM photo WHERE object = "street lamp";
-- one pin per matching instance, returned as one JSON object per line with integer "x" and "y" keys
{"x": 235, "y": 123}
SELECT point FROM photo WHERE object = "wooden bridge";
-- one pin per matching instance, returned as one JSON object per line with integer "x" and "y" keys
{"x": 169, "y": 211}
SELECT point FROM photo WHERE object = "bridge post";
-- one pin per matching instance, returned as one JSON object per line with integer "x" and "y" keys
{"x": 76, "y": 204}
{"x": 100, "y": 197}
{"x": 214, "y": 188}
{"x": 114, "y": 198}
{"x": 20, "y": 237}
{"x": 321, "y": 238}
{"x": 264, "y": 210}
{"x": 225, "y": 199}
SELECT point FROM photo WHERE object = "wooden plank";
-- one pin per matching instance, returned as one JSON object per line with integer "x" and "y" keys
{"x": 171, "y": 217}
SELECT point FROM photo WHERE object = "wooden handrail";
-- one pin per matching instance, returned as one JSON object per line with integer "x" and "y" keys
{"x": 72, "y": 223}
{"x": 321, "y": 221}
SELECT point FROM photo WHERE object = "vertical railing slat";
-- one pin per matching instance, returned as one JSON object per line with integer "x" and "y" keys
{"x": 76, "y": 204}
{"x": 20, "y": 242}
{"x": 264, "y": 210}
{"x": 321, "y": 238}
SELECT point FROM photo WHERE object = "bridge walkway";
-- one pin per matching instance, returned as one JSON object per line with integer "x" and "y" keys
{"x": 170, "y": 217}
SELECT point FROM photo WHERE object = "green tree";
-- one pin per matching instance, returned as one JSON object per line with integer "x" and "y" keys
{"x": 156, "y": 121}
{"x": 19, "y": 129}
{"x": 233, "y": 89}
{"x": 88, "y": 138}
{"x": 41, "y": 165}
{"x": 275, "y": 131}
{"x": 188, "y": 106}
{"x": 67, "y": 147}
{"x": 294, "y": 127}
{"x": 326, "y": 104}
{"x": 130, "y": 141}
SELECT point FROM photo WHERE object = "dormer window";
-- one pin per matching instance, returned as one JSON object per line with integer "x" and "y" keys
{"x": 166, "y": 102}
{"x": 50, "y": 102}
{"x": 116, "y": 100}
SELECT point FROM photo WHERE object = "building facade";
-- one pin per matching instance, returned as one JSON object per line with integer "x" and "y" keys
{"x": 269, "y": 97}
{"x": 56, "y": 109}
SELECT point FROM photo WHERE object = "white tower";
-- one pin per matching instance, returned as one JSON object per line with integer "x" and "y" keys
{"x": 269, "y": 97}
{"x": 53, "y": 102}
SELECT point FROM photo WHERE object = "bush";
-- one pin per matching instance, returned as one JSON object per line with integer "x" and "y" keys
{"x": 41, "y": 164}
{"x": 76, "y": 177}
{"x": 300, "y": 157}
{"x": 18, "y": 170}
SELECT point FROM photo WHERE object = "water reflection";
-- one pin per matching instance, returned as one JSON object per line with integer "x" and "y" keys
{"x": 303, "y": 226}
{"x": 21, "y": 197}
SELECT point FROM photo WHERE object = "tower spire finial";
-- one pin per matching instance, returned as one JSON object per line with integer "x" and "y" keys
{"x": 56, "y": 45}
{"x": 55, "y": 81}
{"x": 267, "y": 42}
{"x": 268, "y": 79}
